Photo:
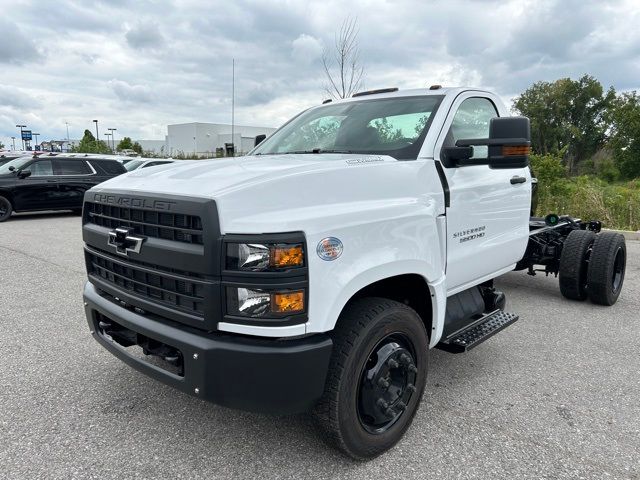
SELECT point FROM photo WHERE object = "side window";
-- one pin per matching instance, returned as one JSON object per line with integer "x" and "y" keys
{"x": 40, "y": 168}
{"x": 472, "y": 121}
{"x": 108, "y": 167}
{"x": 71, "y": 167}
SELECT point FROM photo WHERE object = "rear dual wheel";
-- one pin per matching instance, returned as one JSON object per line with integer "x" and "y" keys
{"x": 376, "y": 377}
{"x": 593, "y": 266}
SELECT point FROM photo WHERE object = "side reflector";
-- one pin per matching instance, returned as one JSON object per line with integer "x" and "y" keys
{"x": 515, "y": 150}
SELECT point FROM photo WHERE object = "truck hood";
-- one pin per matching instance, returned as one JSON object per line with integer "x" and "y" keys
{"x": 215, "y": 178}
{"x": 284, "y": 193}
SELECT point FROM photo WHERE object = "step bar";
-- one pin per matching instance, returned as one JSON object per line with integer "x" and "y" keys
{"x": 477, "y": 332}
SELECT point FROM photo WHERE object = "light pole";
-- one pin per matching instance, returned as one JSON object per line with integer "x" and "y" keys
{"x": 97, "y": 135}
{"x": 195, "y": 146}
{"x": 113, "y": 137}
{"x": 36, "y": 135}
{"x": 13, "y": 140}
{"x": 108, "y": 141}
{"x": 21, "y": 127}
{"x": 67, "y": 124}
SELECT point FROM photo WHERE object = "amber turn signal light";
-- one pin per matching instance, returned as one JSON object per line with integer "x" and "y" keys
{"x": 287, "y": 302}
{"x": 514, "y": 150}
{"x": 283, "y": 256}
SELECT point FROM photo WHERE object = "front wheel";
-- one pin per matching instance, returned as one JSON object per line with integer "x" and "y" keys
{"x": 5, "y": 209}
{"x": 376, "y": 377}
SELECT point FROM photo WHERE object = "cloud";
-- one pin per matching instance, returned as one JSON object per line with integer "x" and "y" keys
{"x": 306, "y": 49}
{"x": 145, "y": 35}
{"x": 131, "y": 93}
{"x": 15, "y": 47}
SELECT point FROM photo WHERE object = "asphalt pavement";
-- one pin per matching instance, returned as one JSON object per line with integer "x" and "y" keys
{"x": 556, "y": 395}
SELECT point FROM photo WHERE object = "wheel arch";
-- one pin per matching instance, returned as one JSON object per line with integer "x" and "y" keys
{"x": 7, "y": 194}
{"x": 413, "y": 289}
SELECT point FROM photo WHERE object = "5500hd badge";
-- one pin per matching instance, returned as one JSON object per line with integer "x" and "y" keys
{"x": 470, "y": 234}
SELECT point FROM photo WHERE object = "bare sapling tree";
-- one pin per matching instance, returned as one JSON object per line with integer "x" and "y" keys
{"x": 342, "y": 66}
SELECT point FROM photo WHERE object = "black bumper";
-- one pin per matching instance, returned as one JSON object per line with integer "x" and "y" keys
{"x": 270, "y": 376}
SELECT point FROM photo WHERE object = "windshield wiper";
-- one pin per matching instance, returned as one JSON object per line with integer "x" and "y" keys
{"x": 315, "y": 150}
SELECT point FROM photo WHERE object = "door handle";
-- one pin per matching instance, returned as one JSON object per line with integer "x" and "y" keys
{"x": 518, "y": 179}
{"x": 51, "y": 181}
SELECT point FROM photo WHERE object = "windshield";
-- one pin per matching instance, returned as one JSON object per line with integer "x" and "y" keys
{"x": 132, "y": 165}
{"x": 390, "y": 126}
{"x": 16, "y": 163}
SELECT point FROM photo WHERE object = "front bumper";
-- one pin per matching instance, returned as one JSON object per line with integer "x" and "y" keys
{"x": 269, "y": 376}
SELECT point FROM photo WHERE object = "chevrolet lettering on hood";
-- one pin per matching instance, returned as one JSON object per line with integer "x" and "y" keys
{"x": 132, "y": 202}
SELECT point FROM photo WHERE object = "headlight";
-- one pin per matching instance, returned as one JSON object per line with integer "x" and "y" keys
{"x": 247, "y": 302}
{"x": 258, "y": 257}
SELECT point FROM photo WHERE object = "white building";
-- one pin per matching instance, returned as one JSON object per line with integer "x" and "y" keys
{"x": 205, "y": 138}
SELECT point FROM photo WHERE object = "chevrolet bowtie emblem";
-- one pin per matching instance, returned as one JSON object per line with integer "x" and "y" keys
{"x": 124, "y": 242}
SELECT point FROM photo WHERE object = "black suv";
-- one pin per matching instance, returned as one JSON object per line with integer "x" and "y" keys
{"x": 30, "y": 184}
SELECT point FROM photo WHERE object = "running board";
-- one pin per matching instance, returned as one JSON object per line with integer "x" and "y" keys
{"x": 473, "y": 335}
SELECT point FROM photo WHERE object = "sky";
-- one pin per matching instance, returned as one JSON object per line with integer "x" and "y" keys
{"x": 140, "y": 65}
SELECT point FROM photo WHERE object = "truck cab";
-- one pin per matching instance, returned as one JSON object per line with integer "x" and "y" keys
{"x": 315, "y": 273}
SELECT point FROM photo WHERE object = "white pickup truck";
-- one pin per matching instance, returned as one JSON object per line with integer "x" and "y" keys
{"x": 316, "y": 273}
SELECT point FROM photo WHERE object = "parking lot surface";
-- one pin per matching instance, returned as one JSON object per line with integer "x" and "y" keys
{"x": 556, "y": 395}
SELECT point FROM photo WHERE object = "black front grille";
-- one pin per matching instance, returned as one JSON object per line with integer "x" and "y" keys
{"x": 177, "y": 292}
{"x": 169, "y": 226}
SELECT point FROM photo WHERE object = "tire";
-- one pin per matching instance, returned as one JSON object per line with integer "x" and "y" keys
{"x": 607, "y": 268}
{"x": 351, "y": 415}
{"x": 574, "y": 264}
{"x": 5, "y": 209}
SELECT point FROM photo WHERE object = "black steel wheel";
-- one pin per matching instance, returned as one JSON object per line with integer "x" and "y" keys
{"x": 574, "y": 264}
{"x": 5, "y": 209}
{"x": 607, "y": 268}
{"x": 376, "y": 377}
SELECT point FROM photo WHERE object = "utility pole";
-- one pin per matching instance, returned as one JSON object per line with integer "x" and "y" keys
{"x": 21, "y": 127}
{"x": 36, "y": 135}
{"x": 13, "y": 140}
{"x": 233, "y": 112}
{"x": 97, "y": 135}
{"x": 113, "y": 137}
{"x": 67, "y": 124}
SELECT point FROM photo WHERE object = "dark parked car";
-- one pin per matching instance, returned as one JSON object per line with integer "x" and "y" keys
{"x": 30, "y": 184}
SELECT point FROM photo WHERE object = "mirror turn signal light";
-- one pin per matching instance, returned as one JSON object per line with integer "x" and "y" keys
{"x": 515, "y": 150}
{"x": 287, "y": 302}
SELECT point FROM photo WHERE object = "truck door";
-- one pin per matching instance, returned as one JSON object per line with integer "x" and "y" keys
{"x": 488, "y": 211}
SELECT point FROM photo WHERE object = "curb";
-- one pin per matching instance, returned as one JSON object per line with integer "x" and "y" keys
{"x": 628, "y": 235}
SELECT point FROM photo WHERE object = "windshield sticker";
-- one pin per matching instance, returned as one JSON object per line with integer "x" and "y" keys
{"x": 470, "y": 234}
{"x": 358, "y": 161}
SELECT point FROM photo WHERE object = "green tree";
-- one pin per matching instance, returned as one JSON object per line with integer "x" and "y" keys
{"x": 1, "y": 145}
{"x": 625, "y": 134}
{"x": 136, "y": 147}
{"x": 88, "y": 144}
{"x": 125, "y": 144}
{"x": 568, "y": 117}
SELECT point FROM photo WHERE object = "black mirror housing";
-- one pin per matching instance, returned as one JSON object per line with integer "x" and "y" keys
{"x": 509, "y": 144}
{"x": 24, "y": 174}
{"x": 452, "y": 156}
{"x": 259, "y": 139}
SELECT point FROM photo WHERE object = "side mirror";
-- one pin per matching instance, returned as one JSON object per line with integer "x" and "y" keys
{"x": 452, "y": 156}
{"x": 509, "y": 144}
{"x": 24, "y": 174}
{"x": 259, "y": 139}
